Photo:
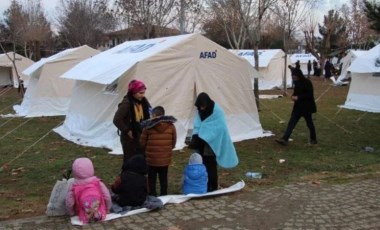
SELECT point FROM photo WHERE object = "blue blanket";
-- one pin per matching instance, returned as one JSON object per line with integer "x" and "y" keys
{"x": 214, "y": 131}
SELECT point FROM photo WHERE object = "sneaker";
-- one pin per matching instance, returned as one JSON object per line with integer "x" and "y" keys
{"x": 282, "y": 142}
{"x": 313, "y": 142}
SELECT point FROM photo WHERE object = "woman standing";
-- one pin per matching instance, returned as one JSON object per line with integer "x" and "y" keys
{"x": 133, "y": 109}
{"x": 211, "y": 139}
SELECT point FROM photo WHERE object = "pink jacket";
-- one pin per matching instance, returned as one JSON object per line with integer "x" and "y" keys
{"x": 83, "y": 172}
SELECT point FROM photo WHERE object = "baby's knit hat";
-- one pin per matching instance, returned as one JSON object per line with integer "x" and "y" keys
{"x": 195, "y": 158}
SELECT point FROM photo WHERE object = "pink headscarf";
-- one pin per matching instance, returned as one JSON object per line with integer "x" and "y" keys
{"x": 136, "y": 86}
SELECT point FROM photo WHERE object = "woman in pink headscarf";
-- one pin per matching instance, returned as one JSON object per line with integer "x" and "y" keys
{"x": 133, "y": 109}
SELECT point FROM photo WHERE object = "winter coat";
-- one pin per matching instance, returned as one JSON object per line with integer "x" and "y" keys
{"x": 195, "y": 179}
{"x": 303, "y": 89}
{"x": 158, "y": 140}
{"x": 83, "y": 171}
{"x": 132, "y": 190}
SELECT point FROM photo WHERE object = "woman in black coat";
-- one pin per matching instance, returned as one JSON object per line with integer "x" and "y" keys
{"x": 304, "y": 106}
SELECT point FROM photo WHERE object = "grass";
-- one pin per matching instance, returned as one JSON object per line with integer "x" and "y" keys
{"x": 32, "y": 157}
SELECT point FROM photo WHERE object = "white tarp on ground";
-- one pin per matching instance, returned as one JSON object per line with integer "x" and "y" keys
{"x": 8, "y": 75}
{"x": 304, "y": 59}
{"x": 271, "y": 67}
{"x": 364, "y": 92}
{"x": 169, "y": 199}
{"x": 175, "y": 70}
{"x": 346, "y": 62}
{"x": 48, "y": 94}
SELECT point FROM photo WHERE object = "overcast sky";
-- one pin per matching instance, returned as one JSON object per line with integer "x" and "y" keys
{"x": 50, "y": 7}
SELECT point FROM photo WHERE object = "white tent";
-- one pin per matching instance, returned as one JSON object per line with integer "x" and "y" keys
{"x": 271, "y": 67}
{"x": 8, "y": 75}
{"x": 346, "y": 62}
{"x": 364, "y": 92}
{"x": 47, "y": 94}
{"x": 304, "y": 59}
{"x": 175, "y": 70}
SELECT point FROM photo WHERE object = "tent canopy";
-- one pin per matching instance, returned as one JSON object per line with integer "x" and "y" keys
{"x": 47, "y": 94}
{"x": 271, "y": 67}
{"x": 364, "y": 92}
{"x": 175, "y": 70}
{"x": 8, "y": 74}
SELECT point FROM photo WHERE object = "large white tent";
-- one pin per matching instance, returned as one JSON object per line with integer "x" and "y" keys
{"x": 271, "y": 67}
{"x": 364, "y": 92}
{"x": 8, "y": 74}
{"x": 48, "y": 94}
{"x": 175, "y": 70}
{"x": 346, "y": 62}
{"x": 304, "y": 59}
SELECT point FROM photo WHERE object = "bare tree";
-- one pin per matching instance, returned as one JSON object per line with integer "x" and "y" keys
{"x": 150, "y": 15}
{"x": 83, "y": 22}
{"x": 190, "y": 15}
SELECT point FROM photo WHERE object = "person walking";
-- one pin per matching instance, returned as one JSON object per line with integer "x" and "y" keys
{"x": 133, "y": 109}
{"x": 211, "y": 139}
{"x": 304, "y": 106}
{"x": 308, "y": 69}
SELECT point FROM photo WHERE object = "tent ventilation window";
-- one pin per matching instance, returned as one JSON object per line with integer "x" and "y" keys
{"x": 111, "y": 88}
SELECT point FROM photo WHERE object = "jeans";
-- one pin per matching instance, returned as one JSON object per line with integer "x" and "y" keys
{"x": 293, "y": 122}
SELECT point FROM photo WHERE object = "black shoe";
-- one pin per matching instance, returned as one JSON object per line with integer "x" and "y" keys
{"x": 282, "y": 142}
{"x": 313, "y": 142}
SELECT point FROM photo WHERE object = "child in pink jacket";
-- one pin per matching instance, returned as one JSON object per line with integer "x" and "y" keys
{"x": 88, "y": 197}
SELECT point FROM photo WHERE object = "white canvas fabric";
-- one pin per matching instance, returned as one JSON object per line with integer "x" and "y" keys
{"x": 8, "y": 74}
{"x": 48, "y": 94}
{"x": 364, "y": 92}
{"x": 175, "y": 70}
{"x": 304, "y": 59}
{"x": 271, "y": 67}
{"x": 346, "y": 62}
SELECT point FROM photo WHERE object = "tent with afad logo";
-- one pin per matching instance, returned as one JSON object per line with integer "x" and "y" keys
{"x": 303, "y": 59}
{"x": 48, "y": 94}
{"x": 364, "y": 91}
{"x": 175, "y": 70}
{"x": 11, "y": 73}
{"x": 272, "y": 67}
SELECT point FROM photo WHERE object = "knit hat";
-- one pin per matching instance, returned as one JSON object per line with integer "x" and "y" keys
{"x": 195, "y": 158}
{"x": 136, "y": 86}
{"x": 83, "y": 168}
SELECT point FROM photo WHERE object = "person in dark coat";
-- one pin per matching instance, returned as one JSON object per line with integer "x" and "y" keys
{"x": 158, "y": 140}
{"x": 304, "y": 106}
{"x": 328, "y": 68}
{"x": 133, "y": 109}
{"x": 308, "y": 68}
{"x": 130, "y": 187}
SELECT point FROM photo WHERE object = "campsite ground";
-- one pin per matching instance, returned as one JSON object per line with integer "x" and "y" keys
{"x": 32, "y": 157}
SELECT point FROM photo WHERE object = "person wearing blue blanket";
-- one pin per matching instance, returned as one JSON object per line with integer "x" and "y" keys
{"x": 211, "y": 139}
{"x": 195, "y": 176}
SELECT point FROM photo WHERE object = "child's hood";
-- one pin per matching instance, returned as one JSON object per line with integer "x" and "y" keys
{"x": 83, "y": 168}
{"x": 160, "y": 123}
{"x": 136, "y": 164}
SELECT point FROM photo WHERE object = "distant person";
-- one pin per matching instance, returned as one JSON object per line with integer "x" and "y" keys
{"x": 316, "y": 68}
{"x": 304, "y": 106}
{"x": 298, "y": 65}
{"x": 158, "y": 140}
{"x": 87, "y": 196}
{"x": 328, "y": 68}
{"x": 211, "y": 139}
{"x": 195, "y": 176}
{"x": 308, "y": 69}
{"x": 133, "y": 109}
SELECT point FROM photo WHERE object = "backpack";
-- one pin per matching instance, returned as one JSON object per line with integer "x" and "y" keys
{"x": 89, "y": 202}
